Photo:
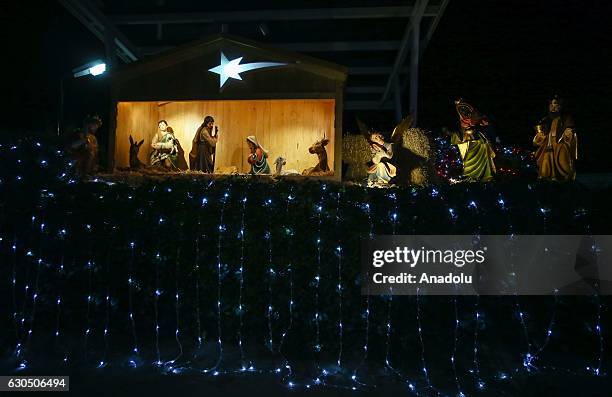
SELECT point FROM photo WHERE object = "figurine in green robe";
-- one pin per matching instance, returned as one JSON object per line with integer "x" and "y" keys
{"x": 474, "y": 146}
{"x": 165, "y": 147}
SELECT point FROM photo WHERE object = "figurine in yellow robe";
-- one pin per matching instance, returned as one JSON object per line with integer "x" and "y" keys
{"x": 557, "y": 144}
{"x": 84, "y": 149}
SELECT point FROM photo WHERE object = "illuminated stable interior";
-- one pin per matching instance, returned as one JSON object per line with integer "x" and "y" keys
{"x": 284, "y": 127}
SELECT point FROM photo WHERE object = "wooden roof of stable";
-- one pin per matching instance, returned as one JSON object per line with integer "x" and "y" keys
{"x": 197, "y": 48}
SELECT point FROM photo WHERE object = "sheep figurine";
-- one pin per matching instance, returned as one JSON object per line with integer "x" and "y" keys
{"x": 279, "y": 163}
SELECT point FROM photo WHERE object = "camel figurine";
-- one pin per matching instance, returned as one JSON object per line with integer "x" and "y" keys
{"x": 322, "y": 168}
{"x": 134, "y": 148}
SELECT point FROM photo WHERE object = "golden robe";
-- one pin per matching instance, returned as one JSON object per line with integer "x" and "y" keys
{"x": 557, "y": 149}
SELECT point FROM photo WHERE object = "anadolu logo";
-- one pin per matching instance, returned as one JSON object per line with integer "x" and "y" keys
{"x": 232, "y": 69}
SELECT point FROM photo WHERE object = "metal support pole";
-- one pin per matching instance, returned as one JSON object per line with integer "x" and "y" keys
{"x": 110, "y": 47}
{"x": 398, "y": 99}
{"x": 414, "y": 68}
{"x": 405, "y": 46}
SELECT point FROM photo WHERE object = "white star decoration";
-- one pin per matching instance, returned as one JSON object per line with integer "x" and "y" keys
{"x": 232, "y": 69}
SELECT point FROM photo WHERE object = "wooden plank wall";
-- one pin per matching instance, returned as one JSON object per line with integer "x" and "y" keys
{"x": 284, "y": 127}
{"x": 138, "y": 119}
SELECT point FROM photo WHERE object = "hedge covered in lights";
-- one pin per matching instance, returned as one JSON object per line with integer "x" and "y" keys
{"x": 250, "y": 275}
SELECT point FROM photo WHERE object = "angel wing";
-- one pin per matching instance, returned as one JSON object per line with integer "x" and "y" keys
{"x": 363, "y": 128}
{"x": 399, "y": 129}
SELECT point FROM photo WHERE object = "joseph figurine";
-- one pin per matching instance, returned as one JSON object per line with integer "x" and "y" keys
{"x": 202, "y": 155}
{"x": 557, "y": 144}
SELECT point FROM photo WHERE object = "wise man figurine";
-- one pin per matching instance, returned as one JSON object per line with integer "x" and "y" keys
{"x": 557, "y": 144}
{"x": 474, "y": 147}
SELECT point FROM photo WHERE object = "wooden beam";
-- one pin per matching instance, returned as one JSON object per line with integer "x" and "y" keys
{"x": 331, "y": 46}
{"x": 98, "y": 24}
{"x": 334, "y": 46}
{"x": 272, "y": 15}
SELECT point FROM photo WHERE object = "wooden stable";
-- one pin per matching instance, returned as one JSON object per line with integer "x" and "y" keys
{"x": 284, "y": 127}
{"x": 287, "y": 107}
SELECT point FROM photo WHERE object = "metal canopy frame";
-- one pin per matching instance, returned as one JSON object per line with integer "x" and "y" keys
{"x": 399, "y": 75}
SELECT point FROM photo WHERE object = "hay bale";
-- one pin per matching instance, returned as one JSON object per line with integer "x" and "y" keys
{"x": 415, "y": 156}
{"x": 417, "y": 141}
{"x": 355, "y": 154}
{"x": 227, "y": 170}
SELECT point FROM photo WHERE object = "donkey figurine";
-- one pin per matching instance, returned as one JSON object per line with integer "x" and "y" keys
{"x": 322, "y": 168}
{"x": 134, "y": 148}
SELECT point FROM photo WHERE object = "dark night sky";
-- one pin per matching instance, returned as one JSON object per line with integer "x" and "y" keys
{"x": 505, "y": 56}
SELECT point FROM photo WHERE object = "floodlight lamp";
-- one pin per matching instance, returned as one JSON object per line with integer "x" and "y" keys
{"x": 94, "y": 68}
{"x": 97, "y": 69}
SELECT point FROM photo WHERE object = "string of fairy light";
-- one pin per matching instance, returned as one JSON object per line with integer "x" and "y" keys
{"x": 365, "y": 207}
{"x": 434, "y": 194}
{"x": 20, "y": 316}
{"x": 389, "y": 326}
{"x": 221, "y": 229}
{"x": 39, "y": 266}
{"x": 317, "y": 283}
{"x": 133, "y": 359}
{"x": 420, "y": 333}
{"x": 290, "y": 305}
{"x": 196, "y": 277}
{"x": 339, "y": 284}
{"x": 480, "y": 384}
{"x": 29, "y": 271}
{"x": 271, "y": 274}
{"x": 89, "y": 265}
{"x": 15, "y": 319}
{"x": 59, "y": 289}
{"x": 177, "y": 316}
{"x": 530, "y": 358}
{"x": 597, "y": 369}
{"x": 107, "y": 306}
{"x": 157, "y": 293}
{"x": 460, "y": 392}
{"x": 241, "y": 309}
